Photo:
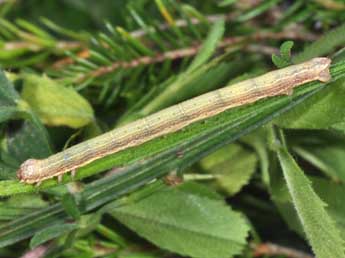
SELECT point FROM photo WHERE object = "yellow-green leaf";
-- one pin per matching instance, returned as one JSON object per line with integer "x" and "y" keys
{"x": 186, "y": 223}
{"x": 232, "y": 165}
{"x": 55, "y": 104}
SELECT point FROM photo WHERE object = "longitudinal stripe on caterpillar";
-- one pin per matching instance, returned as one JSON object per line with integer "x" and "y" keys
{"x": 174, "y": 118}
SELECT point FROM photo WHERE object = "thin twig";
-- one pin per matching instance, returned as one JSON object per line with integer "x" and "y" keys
{"x": 259, "y": 48}
{"x": 184, "y": 23}
{"x": 270, "y": 249}
{"x": 141, "y": 33}
{"x": 60, "y": 45}
{"x": 193, "y": 50}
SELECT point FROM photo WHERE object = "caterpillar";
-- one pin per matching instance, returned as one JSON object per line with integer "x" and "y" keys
{"x": 174, "y": 118}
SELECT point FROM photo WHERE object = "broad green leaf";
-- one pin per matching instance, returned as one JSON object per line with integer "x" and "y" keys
{"x": 186, "y": 224}
{"x": 56, "y": 104}
{"x": 199, "y": 189}
{"x": 334, "y": 195}
{"x": 321, "y": 111}
{"x": 8, "y": 99}
{"x": 21, "y": 139}
{"x": 24, "y": 141}
{"x": 319, "y": 227}
{"x": 209, "y": 46}
{"x": 8, "y": 95}
{"x": 7, "y": 112}
{"x": 233, "y": 167}
{"x": 51, "y": 233}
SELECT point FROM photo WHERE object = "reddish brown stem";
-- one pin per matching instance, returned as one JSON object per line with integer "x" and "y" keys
{"x": 193, "y": 50}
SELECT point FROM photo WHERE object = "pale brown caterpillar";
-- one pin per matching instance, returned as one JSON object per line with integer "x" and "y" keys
{"x": 174, "y": 118}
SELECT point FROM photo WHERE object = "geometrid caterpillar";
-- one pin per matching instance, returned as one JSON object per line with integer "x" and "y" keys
{"x": 174, "y": 118}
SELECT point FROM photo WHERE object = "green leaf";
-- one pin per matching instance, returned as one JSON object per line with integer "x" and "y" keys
{"x": 319, "y": 227}
{"x": 8, "y": 95}
{"x": 8, "y": 99}
{"x": 333, "y": 194}
{"x": 186, "y": 224}
{"x": 318, "y": 112}
{"x": 55, "y": 104}
{"x": 233, "y": 167}
{"x": 285, "y": 50}
{"x": 26, "y": 141}
{"x": 51, "y": 233}
{"x": 21, "y": 140}
{"x": 70, "y": 205}
{"x": 285, "y": 55}
{"x": 330, "y": 192}
{"x": 209, "y": 46}
{"x": 7, "y": 112}
{"x": 325, "y": 150}
{"x": 279, "y": 61}
{"x": 199, "y": 189}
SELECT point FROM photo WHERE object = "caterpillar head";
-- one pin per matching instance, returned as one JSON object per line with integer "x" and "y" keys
{"x": 26, "y": 172}
{"x": 322, "y": 64}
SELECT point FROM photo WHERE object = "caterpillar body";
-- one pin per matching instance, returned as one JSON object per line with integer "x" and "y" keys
{"x": 174, "y": 118}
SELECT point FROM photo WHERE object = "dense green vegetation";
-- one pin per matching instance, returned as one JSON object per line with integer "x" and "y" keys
{"x": 262, "y": 180}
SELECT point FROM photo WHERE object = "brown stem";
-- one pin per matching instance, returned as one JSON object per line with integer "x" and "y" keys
{"x": 270, "y": 249}
{"x": 193, "y": 50}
